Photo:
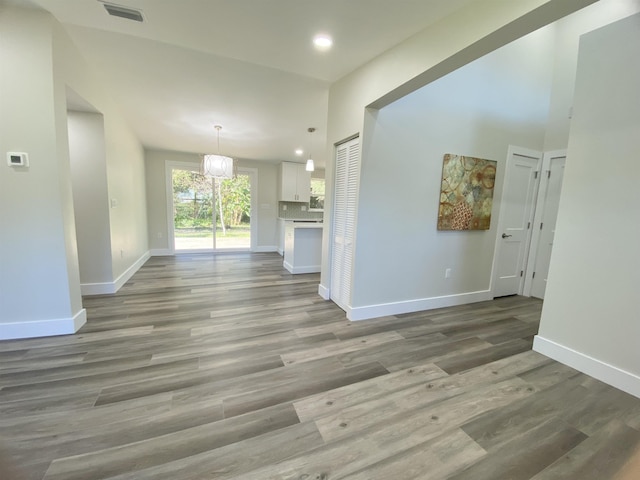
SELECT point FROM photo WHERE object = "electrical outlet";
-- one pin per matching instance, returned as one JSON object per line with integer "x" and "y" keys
{"x": 304, "y": 208}
{"x": 447, "y": 273}
{"x": 159, "y": 234}
{"x": 284, "y": 207}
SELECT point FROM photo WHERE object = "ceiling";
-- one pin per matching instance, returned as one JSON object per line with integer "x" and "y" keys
{"x": 248, "y": 65}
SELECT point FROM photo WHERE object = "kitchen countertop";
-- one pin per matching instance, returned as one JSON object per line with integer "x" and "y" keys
{"x": 308, "y": 225}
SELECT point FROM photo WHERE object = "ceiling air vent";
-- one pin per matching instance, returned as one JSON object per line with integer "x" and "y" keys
{"x": 123, "y": 12}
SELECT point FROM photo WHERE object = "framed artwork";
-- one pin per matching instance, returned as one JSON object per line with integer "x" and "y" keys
{"x": 466, "y": 193}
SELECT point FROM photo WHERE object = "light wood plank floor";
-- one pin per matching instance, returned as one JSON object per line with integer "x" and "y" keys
{"x": 228, "y": 367}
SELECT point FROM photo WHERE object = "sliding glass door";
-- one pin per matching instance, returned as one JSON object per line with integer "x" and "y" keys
{"x": 233, "y": 212}
{"x": 210, "y": 214}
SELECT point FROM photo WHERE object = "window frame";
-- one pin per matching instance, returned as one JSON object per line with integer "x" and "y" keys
{"x": 323, "y": 196}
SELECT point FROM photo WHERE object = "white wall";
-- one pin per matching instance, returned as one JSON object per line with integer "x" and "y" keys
{"x": 39, "y": 283}
{"x": 90, "y": 196}
{"x": 124, "y": 158}
{"x": 39, "y": 268}
{"x": 568, "y": 31}
{"x": 590, "y": 315}
{"x": 471, "y": 32}
{"x": 125, "y": 174}
{"x": 478, "y": 110}
{"x": 266, "y": 205}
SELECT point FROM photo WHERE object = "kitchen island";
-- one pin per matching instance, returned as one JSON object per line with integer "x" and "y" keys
{"x": 302, "y": 246}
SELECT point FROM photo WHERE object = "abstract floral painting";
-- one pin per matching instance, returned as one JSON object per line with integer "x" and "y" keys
{"x": 466, "y": 194}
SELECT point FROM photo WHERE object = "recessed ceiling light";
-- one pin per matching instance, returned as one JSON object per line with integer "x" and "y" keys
{"x": 299, "y": 152}
{"x": 322, "y": 41}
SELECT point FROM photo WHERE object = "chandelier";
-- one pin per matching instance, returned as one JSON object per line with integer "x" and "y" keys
{"x": 217, "y": 166}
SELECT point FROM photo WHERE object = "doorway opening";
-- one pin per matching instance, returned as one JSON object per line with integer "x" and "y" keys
{"x": 90, "y": 193}
{"x": 211, "y": 214}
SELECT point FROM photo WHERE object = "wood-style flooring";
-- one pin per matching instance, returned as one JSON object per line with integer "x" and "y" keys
{"x": 228, "y": 367}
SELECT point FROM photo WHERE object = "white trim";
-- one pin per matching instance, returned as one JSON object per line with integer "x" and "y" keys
{"x": 43, "y": 328}
{"x": 129, "y": 272}
{"x": 409, "y": 306}
{"x": 161, "y": 252}
{"x": 280, "y": 251}
{"x": 614, "y": 376}
{"x": 266, "y": 249}
{"x": 103, "y": 288}
{"x": 303, "y": 269}
{"x": 324, "y": 292}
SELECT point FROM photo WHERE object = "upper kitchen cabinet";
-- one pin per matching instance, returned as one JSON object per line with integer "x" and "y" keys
{"x": 295, "y": 182}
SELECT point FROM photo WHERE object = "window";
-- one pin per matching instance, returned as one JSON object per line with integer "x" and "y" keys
{"x": 316, "y": 202}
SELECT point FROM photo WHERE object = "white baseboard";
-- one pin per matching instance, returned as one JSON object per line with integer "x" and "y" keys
{"x": 281, "y": 251}
{"x": 43, "y": 328}
{"x": 395, "y": 308}
{"x": 161, "y": 252}
{"x": 106, "y": 288}
{"x": 303, "y": 269}
{"x": 129, "y": 272}
{"x": 324, "y": 292}
{"x": 265, "y": 249}
{"x": 614, "y": 376}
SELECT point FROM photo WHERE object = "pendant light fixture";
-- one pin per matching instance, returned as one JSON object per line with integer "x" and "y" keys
{"x": 217, "y": 166}
{"x": 310, "y": 167}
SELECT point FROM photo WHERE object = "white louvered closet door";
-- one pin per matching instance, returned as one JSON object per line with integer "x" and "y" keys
{"x": 344, "y": 220}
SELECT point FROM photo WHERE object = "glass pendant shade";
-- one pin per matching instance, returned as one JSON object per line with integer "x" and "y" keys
{"x": 217, "y": 166}
{"x": 309, "y": 167}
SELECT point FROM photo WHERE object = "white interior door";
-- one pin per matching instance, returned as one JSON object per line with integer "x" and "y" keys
{"x": 344, "y": 221}
{"x": 545, "y": 222}
{"x": 516, "y": 218}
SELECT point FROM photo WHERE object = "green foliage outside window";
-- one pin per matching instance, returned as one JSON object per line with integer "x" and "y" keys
{"x": 317, "y": 193}
{"x": 193, "y": 200}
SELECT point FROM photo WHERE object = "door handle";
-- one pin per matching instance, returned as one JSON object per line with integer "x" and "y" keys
{"x": 504, "y": 235}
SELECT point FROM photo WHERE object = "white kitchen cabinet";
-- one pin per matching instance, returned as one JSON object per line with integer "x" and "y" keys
{"x": 295, "y": 183}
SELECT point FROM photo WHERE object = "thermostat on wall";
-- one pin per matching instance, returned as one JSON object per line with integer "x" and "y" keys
{"x": 17, "y": 159}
